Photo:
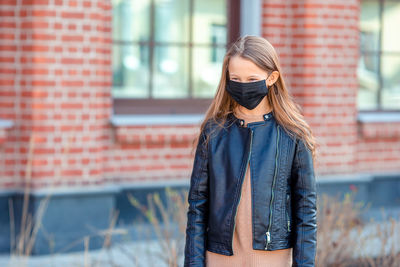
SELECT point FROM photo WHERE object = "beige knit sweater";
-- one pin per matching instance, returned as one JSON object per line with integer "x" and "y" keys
{"x": 243, "y": 253}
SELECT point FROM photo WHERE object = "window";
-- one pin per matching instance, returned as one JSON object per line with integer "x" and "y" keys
{"x": 167, "y": 54}
{"x": 379, "y": 62}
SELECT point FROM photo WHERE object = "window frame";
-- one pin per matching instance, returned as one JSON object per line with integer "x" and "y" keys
{"x": 187, "y": 105}
{"x": 379, "y": 53}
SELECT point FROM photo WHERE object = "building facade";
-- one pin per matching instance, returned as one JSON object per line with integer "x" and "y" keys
{"x": 98, "y": 97}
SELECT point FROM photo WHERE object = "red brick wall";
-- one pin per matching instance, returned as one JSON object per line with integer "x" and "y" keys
{"x": 55, "y": 85}
{"x": 152, "y": 153}
{"x": 378, "y": 147}
{"x": 318, "y": 45}
{"x": 318, "y": 42}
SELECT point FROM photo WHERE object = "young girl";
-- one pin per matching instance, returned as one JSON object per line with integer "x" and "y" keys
{"x": 252, "y": 196}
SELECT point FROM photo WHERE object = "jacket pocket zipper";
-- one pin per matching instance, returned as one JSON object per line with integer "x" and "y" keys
{"x": 287, "y": 212}
{"x": 240, "y": 196}
{"x": 268, "y": 233}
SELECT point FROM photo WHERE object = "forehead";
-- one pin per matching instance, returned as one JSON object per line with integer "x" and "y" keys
{"x": 242, "y": 66}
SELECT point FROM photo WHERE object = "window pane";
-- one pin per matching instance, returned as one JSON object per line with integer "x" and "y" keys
{"x": 368, "y": 81}
{"x": 172, "y": 20}
{"x": 130, "y": 71}
{"x": 131, "y": 20}
{"x": 171, "y": 72}
{"x": 369, "y": 25}
{"x": 209, "y": 22}
{"x": 391, "y": 23}
{"x": 391, "y": 82}
{"x": 207, "y": 65}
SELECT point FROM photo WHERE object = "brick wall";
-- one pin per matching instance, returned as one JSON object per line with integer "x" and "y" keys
{"x": 318, "y": 45}
{"x": 152, "y": 153}
{"x": 55, "y": 85}
{"x": 378, "y": 147}
{"x": 318, "y": 42}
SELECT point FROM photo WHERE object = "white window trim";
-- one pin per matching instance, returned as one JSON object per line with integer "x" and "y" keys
{"x": 156, "y": 119}
{"x": 378, "y": 117}
{"x": 6, "y": 123}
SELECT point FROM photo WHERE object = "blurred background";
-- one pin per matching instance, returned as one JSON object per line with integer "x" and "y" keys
{"x": 100, "y": 101}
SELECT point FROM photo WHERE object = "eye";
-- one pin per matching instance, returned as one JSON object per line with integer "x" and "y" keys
{"x": 234, "y": 79}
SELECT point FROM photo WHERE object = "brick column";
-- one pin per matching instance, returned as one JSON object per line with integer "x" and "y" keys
{"x": 318, "y": 43}
{"x": 55, "y": 61}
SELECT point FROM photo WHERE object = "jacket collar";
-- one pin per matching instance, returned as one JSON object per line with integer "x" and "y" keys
{"x": 240, "y": 122}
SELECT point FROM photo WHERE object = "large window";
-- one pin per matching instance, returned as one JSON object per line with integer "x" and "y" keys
{"x": 167, "y": 54}
{"x": 379, "y": 63}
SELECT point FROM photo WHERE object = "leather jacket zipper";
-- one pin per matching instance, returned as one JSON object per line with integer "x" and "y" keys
{"x": 287, "y": 212}
{"x": 240, "y": 196}
{"x": 268, "y": 233}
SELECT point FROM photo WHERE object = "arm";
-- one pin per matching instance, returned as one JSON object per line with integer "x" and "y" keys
{"x": 305, "y": 207}
{"x": 198, "y": 208}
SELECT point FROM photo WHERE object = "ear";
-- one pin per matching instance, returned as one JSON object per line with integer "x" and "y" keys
{"x": 273, "y": 77}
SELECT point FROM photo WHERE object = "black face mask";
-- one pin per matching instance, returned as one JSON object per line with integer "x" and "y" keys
{"x": 249, "y": 94}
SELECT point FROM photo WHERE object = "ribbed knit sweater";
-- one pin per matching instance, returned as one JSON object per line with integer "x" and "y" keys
{"x": 243, "y": 253}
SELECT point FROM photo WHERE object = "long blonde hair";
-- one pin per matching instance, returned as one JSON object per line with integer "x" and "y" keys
{"x": 286, "y": 112}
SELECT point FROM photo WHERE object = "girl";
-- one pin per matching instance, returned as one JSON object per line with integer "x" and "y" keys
{"x": 252, "y": 196}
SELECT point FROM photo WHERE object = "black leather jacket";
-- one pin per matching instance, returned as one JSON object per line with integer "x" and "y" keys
{"x": 283, "y": 191}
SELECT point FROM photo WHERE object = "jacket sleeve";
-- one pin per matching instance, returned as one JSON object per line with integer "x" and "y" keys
{"x": 305, "y": 207}
{"x": 197, "y": 214}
